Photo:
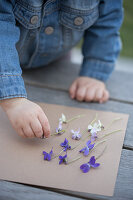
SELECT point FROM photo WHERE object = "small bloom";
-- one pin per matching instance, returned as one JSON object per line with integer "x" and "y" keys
{"x": 59, "y": 130}
{"x": 94, "y": 129}
{"x": 92, "y": 163}
{"x": 62, "y": 119}
{"x": 93, "y": 136}
{"x": 47, "y": 156}
{"x": 86, "y": 149}
{"x": 100, "y": 124}
{"x": 63, "y": 159}
{"x": 65, "y": 144}
{"x": 76, "y": 135}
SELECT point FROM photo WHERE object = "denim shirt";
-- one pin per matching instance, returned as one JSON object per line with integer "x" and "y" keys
{"x": 36, "y": 32}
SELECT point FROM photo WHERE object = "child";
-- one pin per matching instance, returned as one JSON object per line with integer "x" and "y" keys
{"x": 36, "y": 32}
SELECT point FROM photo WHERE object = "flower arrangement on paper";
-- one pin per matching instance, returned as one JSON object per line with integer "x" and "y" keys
{"x": 93, "y": 129}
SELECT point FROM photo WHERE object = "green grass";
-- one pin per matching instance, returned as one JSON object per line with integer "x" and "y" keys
{"x": 126, "y": 30}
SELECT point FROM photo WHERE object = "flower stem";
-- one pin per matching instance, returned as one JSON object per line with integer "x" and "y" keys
{"x": 101, "y": 153}
{"x": 74, "y": 160}
{"x": 58, "y": 133}
{"x": 92, "y": 122}
{"x": 86, "y": 131}
{"x": 110, "y": 133}
{"x": 58, "y": 154}
{"x": 99, "y": 143}
{"x": 76, "y": 117}
{"x": 114, "y": 120}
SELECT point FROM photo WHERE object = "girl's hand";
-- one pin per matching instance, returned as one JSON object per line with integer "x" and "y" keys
{"x": 26, "y": 117}
{"x": 88, "y": 89}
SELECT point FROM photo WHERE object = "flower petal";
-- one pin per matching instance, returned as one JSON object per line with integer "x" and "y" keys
{"x": 72, "y": 131}
{"x": 85, "y": 168}
{"x": 63, "y": 117}
{"x": 92, "y": 160}
{"x": 65, "y": 149}
{"x": 60, "y": 157}
{"x": 93, "y": 138}
{"x": 62, "y": 144}
{"x": 95, "y": 165}
{"x": 60, "y": 126}
{"x": 86, "y": 152}
{"x": 44, "y": 152}
{"x": 45, "y": 155}
{"x": 64, "y": 156}
{"x": 73, "y": 137}
{"x": 48, "y": 157}
{"x": 90, "y": 127}
{"x": 82, "y": 150}
{"x": 91, "y": 146}
{"x": 61, "y": 161}
{"x": 88, "y": 142}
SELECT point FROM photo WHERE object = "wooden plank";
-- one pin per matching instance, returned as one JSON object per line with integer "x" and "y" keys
{"x": 123, "y": 189}
{"x": 14, "y": 191}
{"x": 62, "y": 98}
{"x": 60, "y": 75}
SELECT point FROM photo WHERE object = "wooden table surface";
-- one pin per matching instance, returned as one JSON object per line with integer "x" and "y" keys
{"x": 50, "y": 84}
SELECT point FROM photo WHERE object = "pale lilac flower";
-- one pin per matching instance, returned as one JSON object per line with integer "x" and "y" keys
{"x": 92, "y": 163}
{"x": 76, "y": 134}
{"x": 93, "y": 136}
{"x": 93, "y": 129}
{"x": 86, "y": 149}
{"x": 59, "y": 130}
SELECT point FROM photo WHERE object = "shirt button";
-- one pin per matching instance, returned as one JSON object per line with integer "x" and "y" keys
{"x": 49, "y": 30}
{"x": 78, "y": 21}
{"x": 34, "y": 19}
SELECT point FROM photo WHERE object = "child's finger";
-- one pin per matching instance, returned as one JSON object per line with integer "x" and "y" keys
{"x": 90, "y": 94}
{"x": 28, "y": 132}
{"x": 21, "y": 133}
{"x": 45, "y": 124}
{"x": 98, "y": 94}
{"x": 37, "y": 128}
{"x": 80, "y": 93}
{"x": 105, "y": 96}
{"x": 72, "y": 89}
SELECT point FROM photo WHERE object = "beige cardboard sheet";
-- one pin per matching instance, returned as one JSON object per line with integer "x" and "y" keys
{"x": 21, "y": 160}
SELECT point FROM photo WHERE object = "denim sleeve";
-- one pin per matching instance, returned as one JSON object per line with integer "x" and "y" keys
{"x": 11, "y": 82}
{"x": 102, "y": 41}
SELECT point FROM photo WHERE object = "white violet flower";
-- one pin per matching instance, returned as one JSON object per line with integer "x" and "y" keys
{"x": 63, "y": 118}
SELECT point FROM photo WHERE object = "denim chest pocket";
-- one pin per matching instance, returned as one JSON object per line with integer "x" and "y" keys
{"x": 29, "y": 17}
{"x": 79, "y": 18}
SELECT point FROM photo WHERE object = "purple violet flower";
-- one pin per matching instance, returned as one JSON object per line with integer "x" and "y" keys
{"x": 59, "y": 130}
{"x": 65, "y": 144}
{"x": 63, "y": 159}
{"x": 92, "y": 163}
{"x": 88, "y": 147}
{"x": 76, "y": 134}
{"x": 47, "y": 156}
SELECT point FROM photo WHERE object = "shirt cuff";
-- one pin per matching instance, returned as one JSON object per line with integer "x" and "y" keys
{"x": 12, "y": 86}
{"x": 96, "y": 69}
